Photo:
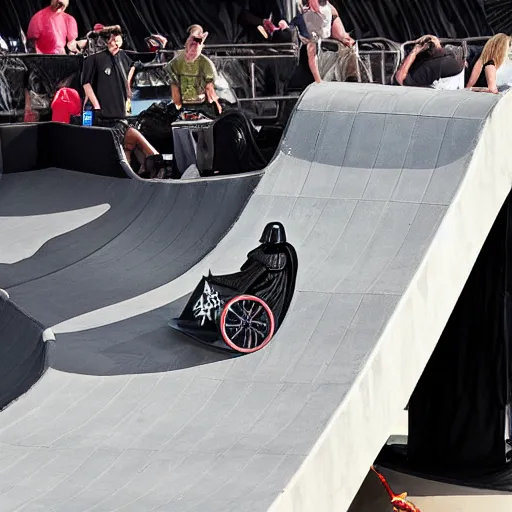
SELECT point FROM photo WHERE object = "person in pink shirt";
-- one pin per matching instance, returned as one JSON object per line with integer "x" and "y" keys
{"x": 51, "y": 29}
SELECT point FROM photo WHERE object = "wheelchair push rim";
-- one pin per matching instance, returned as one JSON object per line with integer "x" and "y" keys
{"x": 247, "y": 324}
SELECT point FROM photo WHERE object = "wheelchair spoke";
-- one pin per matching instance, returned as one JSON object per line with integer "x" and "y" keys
{"x": 259, "y": 332}
{"x": 237, "y": 333}
{"x": 233, "y": 326}
{"x": 231, "y": 310}
{"x": 256, "y": 312}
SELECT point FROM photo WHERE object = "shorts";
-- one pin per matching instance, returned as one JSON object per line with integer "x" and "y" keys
{"x": 119, "y": 128}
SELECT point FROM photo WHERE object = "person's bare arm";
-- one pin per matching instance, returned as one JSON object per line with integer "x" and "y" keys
{"x": 339, "y": 33}
{"x": 490, "y": 75}
{"x": 89, "y": 92}
{"x": 477, "y": 69}
{"x": 73, "y": 47}
{"x": 72, "y": 35}
{"x": 313, "y": 62}
{"x": 212, "y": 97}
{"x": 172, "y": 70}
{"x": 403, "y": 71}
{"x": 131, "y": 73}
{"x": 338, "y": 30}
{"x": 176, "y": 96}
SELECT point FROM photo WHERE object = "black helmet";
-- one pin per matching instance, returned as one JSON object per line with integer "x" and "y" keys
{"x": 274, "y": 233}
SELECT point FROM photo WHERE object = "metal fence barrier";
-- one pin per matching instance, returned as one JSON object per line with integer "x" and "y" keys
{"x": 247, "y": 65}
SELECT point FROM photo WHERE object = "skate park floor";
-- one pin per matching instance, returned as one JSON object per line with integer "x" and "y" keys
{"x": 141, "y": 425}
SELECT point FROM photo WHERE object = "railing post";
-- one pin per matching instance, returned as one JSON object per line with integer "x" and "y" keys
{"x": 382, "y": 68}
{"x": 253, "y": 79}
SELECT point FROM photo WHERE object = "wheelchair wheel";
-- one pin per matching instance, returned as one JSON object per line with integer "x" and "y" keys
{"x": 247, "y": 324}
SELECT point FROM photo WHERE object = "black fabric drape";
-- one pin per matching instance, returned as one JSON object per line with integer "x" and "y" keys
{"x": 399, "y": 20}
{"x": 402, "y": 20}
{"x": 499, "y": 15}
{"x": 457, "y": 411}
{"x": 236, "y": 150}
{"x": 269, "y": 273}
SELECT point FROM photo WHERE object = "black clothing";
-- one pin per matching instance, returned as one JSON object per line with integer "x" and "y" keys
{"x": 251, "y": 22}
{"x": 119, "y": 127}
{"x": 427, "y": 68}
{"x": 269, "y": 273}
{"x": 236, "y": 150}
{"x": 265, "y": 8}
{"x": 108, "y": 76}
{"x": 482, "y": 80}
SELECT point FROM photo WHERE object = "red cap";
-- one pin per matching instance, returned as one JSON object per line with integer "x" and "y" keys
{"x": 98, "y": 27}
{"x": 66, "y": 103}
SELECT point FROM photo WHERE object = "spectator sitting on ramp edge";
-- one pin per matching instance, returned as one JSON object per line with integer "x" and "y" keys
{"x": 193, "y": 75}
{"x": 428, "y": 62}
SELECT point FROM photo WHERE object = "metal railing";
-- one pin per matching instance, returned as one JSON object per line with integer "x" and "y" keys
{"x": 250, "y": 53}
{"x": 389, "y": 50}
{"x": 377, "y": 60}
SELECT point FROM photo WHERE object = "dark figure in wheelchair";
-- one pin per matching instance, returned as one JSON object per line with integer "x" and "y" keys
{"x": 241, "y": 312}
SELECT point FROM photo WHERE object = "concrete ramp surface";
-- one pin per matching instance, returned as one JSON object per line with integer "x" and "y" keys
{"x": 387, "y": 194}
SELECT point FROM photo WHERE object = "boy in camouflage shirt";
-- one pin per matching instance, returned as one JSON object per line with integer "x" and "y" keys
{"x": 193, "y": 74}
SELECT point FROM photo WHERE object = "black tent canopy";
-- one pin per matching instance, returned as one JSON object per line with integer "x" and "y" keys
{"x": 139, "y": 18}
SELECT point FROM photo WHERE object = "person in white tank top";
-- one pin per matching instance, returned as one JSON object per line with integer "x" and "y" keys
{"x": 318, "y": 19}
{"x": 317, "y": 16}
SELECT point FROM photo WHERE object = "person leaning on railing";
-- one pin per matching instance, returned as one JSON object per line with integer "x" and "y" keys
{"x": 317, "y": 23}
{"x": 51, "y": 29}
{"x": 427, "y": 63}
{"x": 494, "y": 54}
{"x": 319, "y": 20}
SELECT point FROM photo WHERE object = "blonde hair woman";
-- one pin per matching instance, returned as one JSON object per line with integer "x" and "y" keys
{"x": 494, "y": 54}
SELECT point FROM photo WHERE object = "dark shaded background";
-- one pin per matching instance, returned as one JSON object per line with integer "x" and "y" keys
{"x": 398, "y": 20}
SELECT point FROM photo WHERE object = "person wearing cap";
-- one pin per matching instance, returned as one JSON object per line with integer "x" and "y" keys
{"x": 51, "y": 29}
{"x": 92, "y": 43}
{"x": 107, "y": 75}
{"x": 192, "y": 74}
